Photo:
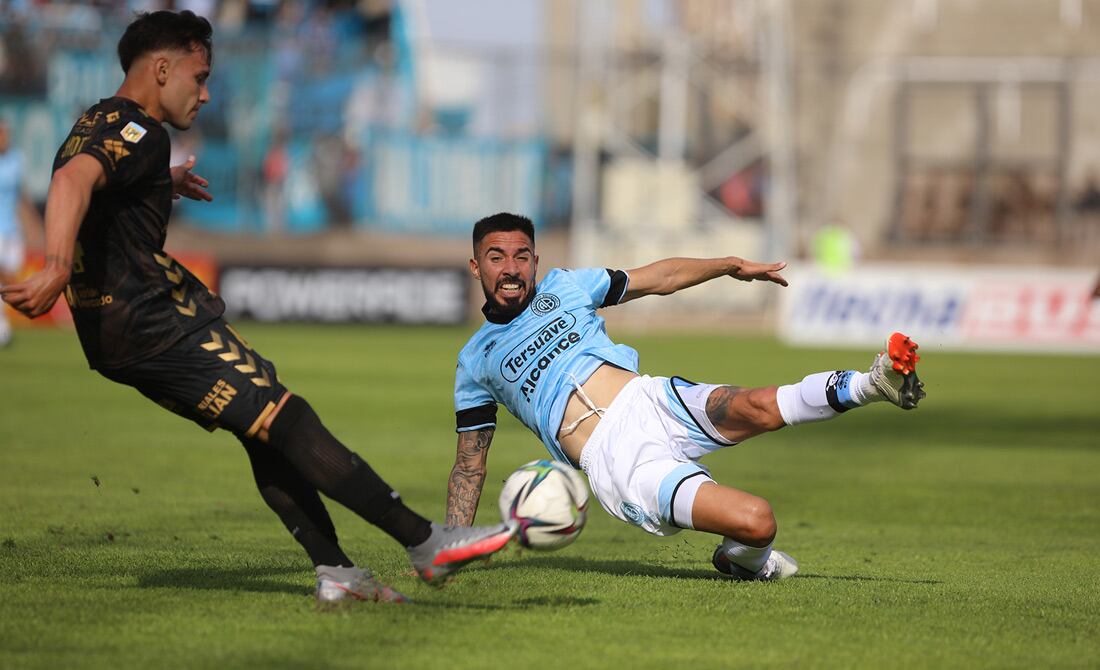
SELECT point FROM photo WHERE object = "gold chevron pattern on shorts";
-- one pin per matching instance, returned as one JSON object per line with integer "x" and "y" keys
{"x": 249, "y": 368}
{"x": 234, "y": 353}
{"x": 215, "y": 342}
{"x": 231, "y": 352}
{"x": 174, "y": 273}
{"x": 234, "y": 333}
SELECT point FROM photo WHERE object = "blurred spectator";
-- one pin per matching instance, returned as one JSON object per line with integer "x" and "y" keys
{"x": 916, "y": 206}
{"x": 952, "y": 197}
{"x": 1023, "y": 206}
{"x": 20, "y": 222}
{"x": 332, "y": 158}
{"x": 1087, "y": 206}
{"x": 1088, "y": 202}
{"x": 22, "y": 70}
{"x": 276, "y": 167}
{"x": 743, "y": 192}
{"x": 1015, "y": 205}
{"x": 318, "y": 30}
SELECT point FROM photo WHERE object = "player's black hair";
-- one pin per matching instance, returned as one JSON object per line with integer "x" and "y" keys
{"x": 502, "y": 222}
{"x": 153, "y": 31}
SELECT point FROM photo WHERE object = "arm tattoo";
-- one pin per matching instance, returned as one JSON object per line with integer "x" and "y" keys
{"x": 468, "y": 476}
{"x": 719, "y": 404}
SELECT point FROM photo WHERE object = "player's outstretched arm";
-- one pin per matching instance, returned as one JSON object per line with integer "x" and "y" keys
{"x": 468, "y": 476}
{"x": 66, "y": 204}
{"x": 673, "y": 274}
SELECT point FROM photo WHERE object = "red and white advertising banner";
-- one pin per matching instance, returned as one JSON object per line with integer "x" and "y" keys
{"x": 955, "y": 307}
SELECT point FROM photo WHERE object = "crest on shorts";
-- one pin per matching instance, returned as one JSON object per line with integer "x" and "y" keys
{"x": 133, "y": 133}
{"x": 633, "y": 513}
{"x": 544, "y": 303}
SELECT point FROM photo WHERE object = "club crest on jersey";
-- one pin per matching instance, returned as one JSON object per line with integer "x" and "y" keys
{"x": 544, "y": 303}
{"x": 133, "y": 133}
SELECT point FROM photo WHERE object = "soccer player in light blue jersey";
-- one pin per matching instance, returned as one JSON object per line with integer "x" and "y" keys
{"x": 17, "y": 216}
{"x": 544, "y": 354}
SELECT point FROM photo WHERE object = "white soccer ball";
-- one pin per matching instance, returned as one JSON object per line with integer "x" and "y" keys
{"x": 547, "y": 501}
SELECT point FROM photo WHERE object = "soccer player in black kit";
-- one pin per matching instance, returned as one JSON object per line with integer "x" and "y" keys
{"x": 145, "y": 321}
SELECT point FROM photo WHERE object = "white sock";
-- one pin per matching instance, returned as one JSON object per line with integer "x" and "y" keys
{"x": 5, "y": 326}
{"x": 750, "y": 558}
{"x": 863, "y": 391}
{"x": 337, "y": 573}
{"x": 824, "y": 395}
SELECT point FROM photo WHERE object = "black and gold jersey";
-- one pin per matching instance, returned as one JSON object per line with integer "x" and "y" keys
{"x": 129, "y": 299}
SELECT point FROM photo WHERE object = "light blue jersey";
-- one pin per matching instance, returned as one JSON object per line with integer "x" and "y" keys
{"x": 531, "y": 363}
{"x": 11, "y": 175}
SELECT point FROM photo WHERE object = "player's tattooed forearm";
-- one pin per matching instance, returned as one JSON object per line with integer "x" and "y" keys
{"x": 475, "y": 443}
{"x": 468, "y": 476}
{"x": 463, "y": 495}
{"x": 719, "y": 403}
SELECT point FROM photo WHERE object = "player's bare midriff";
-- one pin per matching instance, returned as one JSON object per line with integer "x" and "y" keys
{"x": 602, "y": 387}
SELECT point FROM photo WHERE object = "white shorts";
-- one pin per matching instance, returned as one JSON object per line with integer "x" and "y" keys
{"x": 640, "y": 459}
{"x": 11, "y": 255}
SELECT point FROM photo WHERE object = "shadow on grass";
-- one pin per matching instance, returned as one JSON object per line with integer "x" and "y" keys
{"x": 622, "y": 568}
{"x": 618, "y": 568}
{"x": 259, "y": 580}
{"x": 252, "y": 579}
{"x": 552, "y": 601}
{"x": 863, "y": 578}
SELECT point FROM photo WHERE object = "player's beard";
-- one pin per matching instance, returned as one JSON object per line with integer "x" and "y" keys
{"x": 508, "y": 308}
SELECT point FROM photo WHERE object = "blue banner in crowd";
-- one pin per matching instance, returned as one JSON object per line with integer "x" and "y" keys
{"x": 442, "y": 184}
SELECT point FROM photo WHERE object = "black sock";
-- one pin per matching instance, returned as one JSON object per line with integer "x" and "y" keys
{"x": 340, "y": 474}
{"x": 296, "y": 503}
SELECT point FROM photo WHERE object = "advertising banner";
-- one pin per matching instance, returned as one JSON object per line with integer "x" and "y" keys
{"x": 955, "y": 307}
{"x": 344, "y": 295}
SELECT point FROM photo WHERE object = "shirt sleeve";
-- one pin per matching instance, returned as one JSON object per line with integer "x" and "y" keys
{"x": 604, "y": 287}
{"x": 474, "y": 407}
{"x": 129, "y": 151}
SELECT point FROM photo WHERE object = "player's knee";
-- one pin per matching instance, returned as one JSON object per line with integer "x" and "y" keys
{"x": 759, "y": 525}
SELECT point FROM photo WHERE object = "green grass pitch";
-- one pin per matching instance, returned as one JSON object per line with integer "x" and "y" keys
{"x": 965, "y": 533}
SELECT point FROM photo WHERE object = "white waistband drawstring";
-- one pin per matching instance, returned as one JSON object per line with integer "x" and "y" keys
{"x": 592, "y": 409}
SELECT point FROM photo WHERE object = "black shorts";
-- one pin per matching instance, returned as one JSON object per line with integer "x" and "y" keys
{"x": 211, "y": 377}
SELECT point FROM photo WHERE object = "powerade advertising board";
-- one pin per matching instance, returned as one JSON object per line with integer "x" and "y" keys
{"x": 342, "y": 295}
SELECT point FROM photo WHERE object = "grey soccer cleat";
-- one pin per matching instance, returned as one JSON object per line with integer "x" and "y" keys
{"x": 449, "y": 548}
{"x": 894, "y": 372}
{"x": 335, "y": 584}
{"x": 778, "y": 566}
